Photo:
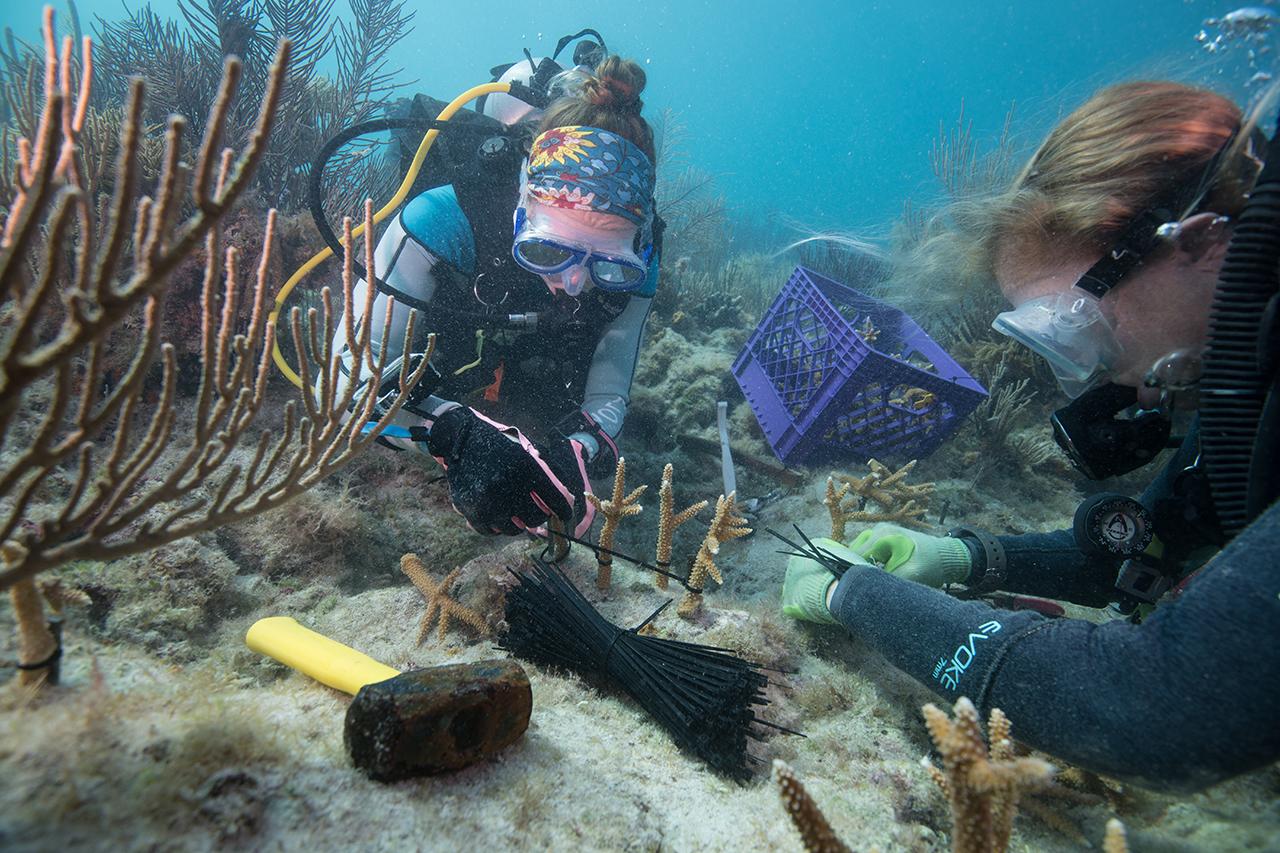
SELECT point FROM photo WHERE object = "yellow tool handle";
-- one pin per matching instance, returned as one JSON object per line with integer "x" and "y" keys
{"x": 325, "y": 660}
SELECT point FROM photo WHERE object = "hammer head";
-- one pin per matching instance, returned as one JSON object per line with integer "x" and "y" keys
{"x": 439, "y": 719}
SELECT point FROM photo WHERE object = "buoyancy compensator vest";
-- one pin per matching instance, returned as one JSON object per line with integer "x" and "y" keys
{"x": 505, "y": 341}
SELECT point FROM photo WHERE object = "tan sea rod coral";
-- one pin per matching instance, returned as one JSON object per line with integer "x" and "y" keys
{"x": 96, "y": 467}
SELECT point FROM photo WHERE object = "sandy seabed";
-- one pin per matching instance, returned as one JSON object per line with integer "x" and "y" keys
{"x": 167, "y": 733}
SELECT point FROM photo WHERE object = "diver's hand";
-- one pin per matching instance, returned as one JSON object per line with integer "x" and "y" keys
{"x": 930, "y": 560}
{"x": 498, "y": 481}
{"x": 567, "y": 459}
{"x": 808, "y": 584}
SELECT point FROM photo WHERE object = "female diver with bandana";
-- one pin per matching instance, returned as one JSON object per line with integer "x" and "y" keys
{"x": 538, "y": 291}
{"x": 1109, "y": 245}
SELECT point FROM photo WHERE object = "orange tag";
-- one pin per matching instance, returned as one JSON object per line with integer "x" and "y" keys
{"x": 492, "y": 391}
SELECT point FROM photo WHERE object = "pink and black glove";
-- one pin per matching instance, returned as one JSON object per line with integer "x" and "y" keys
{"x": 567, "y": 459}
{"x": 498, "y": 481}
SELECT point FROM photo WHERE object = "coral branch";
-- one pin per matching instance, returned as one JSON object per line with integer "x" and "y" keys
{"x": 834, "y": 502}
{"x": 816, "y": 834}
{"x": 900, "y": 502}
{"x": 983, "y": 785}
{"x": 439, "y": 604}
{"x": 614, "y": 509}
{"x": 668, "y": 521}
{"x": 1116, "y": 840}
{"x": 726, "y": 526}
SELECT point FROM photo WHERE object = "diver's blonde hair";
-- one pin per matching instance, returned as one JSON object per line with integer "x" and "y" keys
{"x": 1116, "y": 155}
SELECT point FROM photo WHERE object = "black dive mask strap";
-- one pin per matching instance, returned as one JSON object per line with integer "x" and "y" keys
{"x": 1126, "y": 253}
{"x": 587, "y": 53}
{"x": 1143, "y": 233}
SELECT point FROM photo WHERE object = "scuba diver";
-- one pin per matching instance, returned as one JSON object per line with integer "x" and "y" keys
{"x": 535, "y": 268}
{"x": 1139, "y": 249}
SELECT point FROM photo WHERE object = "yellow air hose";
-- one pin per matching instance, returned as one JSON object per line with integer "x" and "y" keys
{"x": 396, "y": 200}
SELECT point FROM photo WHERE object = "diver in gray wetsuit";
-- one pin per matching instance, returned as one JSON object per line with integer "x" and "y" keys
{"x": 537, "y": 284}
{"x": 1109, "y": 245}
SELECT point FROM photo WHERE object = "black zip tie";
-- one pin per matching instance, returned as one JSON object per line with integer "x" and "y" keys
{"x": 600, "y": 549}
{"x": 705, "y": 697}
{"x": 50, "y": 662}
{"x": 832, "y": 563}
{"x": 653, "y": 615}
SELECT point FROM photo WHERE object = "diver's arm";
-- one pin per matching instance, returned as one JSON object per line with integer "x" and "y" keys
{"x": 1180, "y": 702}
{"x": 405, "y": 266}
{"x": 1050, "y": 564}
{"x": 608, "y": 386}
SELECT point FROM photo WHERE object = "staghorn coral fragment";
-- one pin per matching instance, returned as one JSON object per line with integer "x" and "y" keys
{"x": 917, "y": 399}
{"x": 816, "y": 834}
{"x": 668, "y": 521}
{"x": 901, "y": 502}
{"x": 867, "y": 330}
{"x": 982, "y": 784}
{"x": 834, "y": 502}
{"x": 1115, "y": 841}
{"x": 614, "y": 509}
{"x": 439, "y": 604}
{"x": 726, "y": 526}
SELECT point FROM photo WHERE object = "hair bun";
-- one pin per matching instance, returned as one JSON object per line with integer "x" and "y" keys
{"x": 617, "y": 85}
{"x": 611, "y": 92}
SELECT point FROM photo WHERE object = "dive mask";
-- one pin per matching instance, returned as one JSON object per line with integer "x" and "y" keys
{"x": 539, "y": 250}
{"x": 1071, "y": 330}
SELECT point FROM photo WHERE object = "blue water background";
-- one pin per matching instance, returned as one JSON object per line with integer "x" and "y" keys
{"x": 821, "y": 112}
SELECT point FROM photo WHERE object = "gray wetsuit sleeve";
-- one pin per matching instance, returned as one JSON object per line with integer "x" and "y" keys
{"x": 1051, "y": 565}
{"x": 1182, "y": 701}
{"x": 406, "y": 266}
{"x": 613, "y": 365}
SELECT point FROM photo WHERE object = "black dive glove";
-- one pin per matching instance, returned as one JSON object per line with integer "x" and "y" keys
{"x": 498, "y": 481}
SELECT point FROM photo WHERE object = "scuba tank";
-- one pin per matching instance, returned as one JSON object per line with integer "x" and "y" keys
{"x": 476, "y": 150}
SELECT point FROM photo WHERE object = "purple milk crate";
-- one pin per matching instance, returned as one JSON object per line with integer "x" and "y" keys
{"x": 823, "y": 394}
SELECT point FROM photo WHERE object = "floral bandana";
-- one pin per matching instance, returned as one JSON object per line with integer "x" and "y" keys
{"x": 586, "y": 168}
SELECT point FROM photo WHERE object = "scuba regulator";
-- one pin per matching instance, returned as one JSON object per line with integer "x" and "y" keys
{"x": 1099, "y": 443}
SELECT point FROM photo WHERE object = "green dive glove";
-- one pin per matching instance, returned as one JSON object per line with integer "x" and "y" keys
{"x": 914, "y": 556}
{"x": 804, "y": 592}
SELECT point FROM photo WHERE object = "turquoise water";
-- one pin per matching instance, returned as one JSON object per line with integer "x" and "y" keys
{"x": 821, "y": 111}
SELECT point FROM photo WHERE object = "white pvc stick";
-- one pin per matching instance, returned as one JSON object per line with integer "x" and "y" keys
{"x": 726, "y": 456}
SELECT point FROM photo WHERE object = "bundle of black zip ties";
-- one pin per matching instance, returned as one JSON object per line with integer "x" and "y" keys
{"x": 706, "y": 697}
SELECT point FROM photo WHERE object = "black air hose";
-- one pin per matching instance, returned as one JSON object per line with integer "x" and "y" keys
{"x": 1234, "y": 385}
{"x": 315, "y": 196}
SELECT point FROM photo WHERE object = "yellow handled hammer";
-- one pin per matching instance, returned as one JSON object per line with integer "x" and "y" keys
{"x": 417, "y": 723}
